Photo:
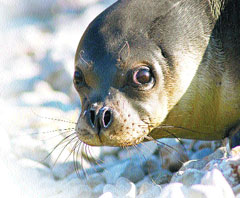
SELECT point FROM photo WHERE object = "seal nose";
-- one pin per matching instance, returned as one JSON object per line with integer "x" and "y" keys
{"x": 101, "y": 119}
{"x": 105, "y": 117}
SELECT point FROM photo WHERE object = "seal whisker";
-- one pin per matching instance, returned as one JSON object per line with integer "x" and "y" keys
{"x": 173, "y": 127}
{"x": 166, "y": 146}
{"x": 65, "y": 146}
{"x": 60, "y": 134}
{"x": 54, "y": 119}
{"x": 96, "y": 162}
{"x": 183, "y": 128}
{"x": 148, "y": 167}
{"x": 76, "y": 149}
{"x": 65, "y": 130}
{"x": 73, "y": 152}
{"x": 61, "y": 142}
{"x": 180, "y": 141}
{"x": 139, "y": 152}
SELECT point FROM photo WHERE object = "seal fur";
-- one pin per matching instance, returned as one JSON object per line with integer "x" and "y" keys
{"x": 192, "y": 49}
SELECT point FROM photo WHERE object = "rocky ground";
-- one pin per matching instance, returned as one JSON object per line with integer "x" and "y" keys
{"x": 39, "y": 108}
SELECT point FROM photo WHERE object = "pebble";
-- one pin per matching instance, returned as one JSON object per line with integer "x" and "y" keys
{"x": 236, "y": 189}
{"x": 149, "y": 190}
{"x": 62, "y": 170}
{"x": 107, "y": 195}
{"x": 172, "y": 158}
{"x": 127, "y": 169}
{"x": 205, "y": 192}
{"x": 98, "y": 190}
{"x": 173, "y": 190}
{"x": 75, "y": 192}
{"x": 122, "y": 188}
{"x": 201, "y": 153}
{"x": 151, "y": 165}
{"x": 27, "y": 147}
{"x": 161, "y": 177}
{"x": 188, "y": 177}
{"x": 216, "y": 178}
{"x": 95, "y": 180}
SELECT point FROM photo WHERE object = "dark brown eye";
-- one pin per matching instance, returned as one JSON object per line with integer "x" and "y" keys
{"x": 78, "y": 78}
{"x": 142, "y": 76}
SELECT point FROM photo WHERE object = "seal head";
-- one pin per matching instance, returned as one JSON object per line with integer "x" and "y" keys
{"x": 135, "y": 72}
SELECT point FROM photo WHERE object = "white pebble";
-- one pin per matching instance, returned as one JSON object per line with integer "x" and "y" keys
{"x": 150, "y": 191}
{"x": 110, "y": 188}
{"x": 216, "y": 178}
{"x": 62, "y": 170}
{"x": 98, "y": 190}
{"x": 173, "y": 190}
{"x": 122, "y": 188}
{"x": 126, "y": 188}
{"x": 203, "y": 191}
{"x": 107, "y": 195}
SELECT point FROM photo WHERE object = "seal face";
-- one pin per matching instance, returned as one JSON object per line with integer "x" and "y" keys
{"x": 151, "y": 70}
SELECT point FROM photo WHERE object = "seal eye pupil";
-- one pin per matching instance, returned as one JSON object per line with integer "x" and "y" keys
{"x": 142, "y": 76}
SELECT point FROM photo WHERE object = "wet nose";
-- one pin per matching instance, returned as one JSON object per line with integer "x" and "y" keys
{"x": 101, "y": 119}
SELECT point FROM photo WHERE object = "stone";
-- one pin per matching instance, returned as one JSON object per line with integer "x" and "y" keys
{"x": 236, "y": 189}
{"x": 151, "y": 165}
{"x": 229, "y": 168}
{"x": 216, "y": 178}
{"x": 194, "y": 164}
{"x": 203, "y": 191}
{"x": 62, "y": 170}
{"x": 126, "y": 188}
{"x": 75, "y": 192}
{"x": 98, "y": 190}
{"x": 172, "y": 153}
{"x": 235, "y": 151}
{"x": 173, "y": 190}
{"x": 107, "y": 195}
{"x": 188, "y": 177}
{"x": 95, "y": 180}
{"x": 144, "y": 187}
{"x": 127, "y": 169}
{"x": 201, "y": 153}
{"x": 161, "y": 177}
{"x": 149, "y": 190}
{"x": 122, "y": 188}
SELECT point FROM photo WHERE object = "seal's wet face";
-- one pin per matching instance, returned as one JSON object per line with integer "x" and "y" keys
{"x": 143, "y": 65}
{"x": 119, "y": 96}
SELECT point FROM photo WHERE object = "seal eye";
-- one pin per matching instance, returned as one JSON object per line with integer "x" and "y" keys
{"x": 78, "y": 79}
{"x": 142, "y": 76}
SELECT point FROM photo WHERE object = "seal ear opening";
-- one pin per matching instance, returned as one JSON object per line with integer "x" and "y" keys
{"x": 164, "y": 54}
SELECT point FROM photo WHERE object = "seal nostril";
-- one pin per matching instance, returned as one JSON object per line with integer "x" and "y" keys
{"x": 92, "y": 117}
{"x": 106, "y": 118}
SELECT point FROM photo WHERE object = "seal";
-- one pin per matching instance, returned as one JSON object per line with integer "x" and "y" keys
{"x": 159, "y": 69}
